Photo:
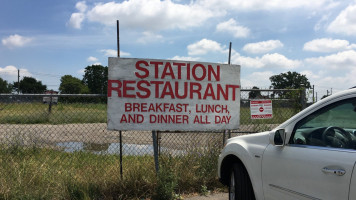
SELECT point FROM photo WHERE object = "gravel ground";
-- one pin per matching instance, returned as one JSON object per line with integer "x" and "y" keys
{"x": 29, "y": 134}
{"x": 217, "y": 196}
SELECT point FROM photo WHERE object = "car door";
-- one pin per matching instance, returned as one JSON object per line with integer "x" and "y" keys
{"x": 318, "y": 161}
{"x": 353, "y": 186}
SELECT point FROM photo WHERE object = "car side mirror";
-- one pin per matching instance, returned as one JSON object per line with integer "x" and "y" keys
{"x": 279, "y": 137}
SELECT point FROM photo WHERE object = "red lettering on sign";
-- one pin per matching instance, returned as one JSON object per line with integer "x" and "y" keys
{"x": 126, "y": 88}
{"x": 135, "y": 118}
{"x": 157, "y": 83}
{"x": 179, "y": 65}
{"x": 168, "y": 71}
{"x": 167, "y": 90}
{"x": 143, "y": 89}
{"x": 216, "y": 73}
{"x": 203, "y": 75}
{"x": 111, "y": 88}
{"x": 209, "y": 92}
{"x": 156, "y": 64}
{"x": 193, "y": 90}
{"x": 185, "y": 90}
{"x": 146, "y": 72}
{"x": 169, "y": 119}
{"x": 207, "y": 108}
{"x": 199, "y": 119}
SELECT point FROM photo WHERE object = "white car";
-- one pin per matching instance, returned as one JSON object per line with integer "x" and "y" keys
{"x": 310, "y": 156}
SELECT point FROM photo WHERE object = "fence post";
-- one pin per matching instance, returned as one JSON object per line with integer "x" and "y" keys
{"x": 159, "y": 137}
{"x": 303, "y": 98}
{"x": 121, "y": 173}
{"x": 223, "y": 139}
{"x": 50, "y": 105}
{"x": 155, "y": 150}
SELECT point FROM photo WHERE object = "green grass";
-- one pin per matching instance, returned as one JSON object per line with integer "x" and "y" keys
{"x": 38, "y": 113}
{"x": 64, "y": 113}
{"x": 35, "y": 173}
{"x": 280, "y": 115}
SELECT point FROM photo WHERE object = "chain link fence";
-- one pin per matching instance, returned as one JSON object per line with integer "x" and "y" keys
{"x": 60, "y": 143}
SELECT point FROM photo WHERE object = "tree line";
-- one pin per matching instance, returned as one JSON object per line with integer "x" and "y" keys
{"x": 95, "y": 80}
{"x": 288, "y": 80}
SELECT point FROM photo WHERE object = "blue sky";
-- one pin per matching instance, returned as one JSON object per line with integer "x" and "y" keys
{"x": 49, "y": 39}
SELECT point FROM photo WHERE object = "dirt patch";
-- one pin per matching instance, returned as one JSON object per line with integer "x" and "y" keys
{"x": 48, "y": 135}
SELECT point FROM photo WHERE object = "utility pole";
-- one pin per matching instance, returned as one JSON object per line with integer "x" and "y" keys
{"x": 18, "y": 81}
{"x": 118, "y": 55}
{"x": 118, "y": 38}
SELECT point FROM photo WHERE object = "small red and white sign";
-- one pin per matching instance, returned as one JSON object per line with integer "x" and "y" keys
{"x": 261, "y": 109}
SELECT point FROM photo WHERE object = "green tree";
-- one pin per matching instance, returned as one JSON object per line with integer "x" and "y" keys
{"x": 5, "y": 87}
{"x": 254, "y": 93}
{"x": 29, "y": 85}
{"x": 72, "y": 85}
{"x": 289, "y": 80}
{"x": 96, "y": 78}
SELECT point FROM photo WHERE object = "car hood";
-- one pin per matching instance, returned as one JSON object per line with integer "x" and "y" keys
{"x": 255, "y": 143}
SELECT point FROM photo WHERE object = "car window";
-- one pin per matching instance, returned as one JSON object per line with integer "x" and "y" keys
{"x": 332, "y": 126}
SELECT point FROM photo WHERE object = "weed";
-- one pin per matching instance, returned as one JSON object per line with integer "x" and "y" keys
{"x": 166, "y": 181}
{"x": 39, "y": 173}
{"x": 204, "y": 190}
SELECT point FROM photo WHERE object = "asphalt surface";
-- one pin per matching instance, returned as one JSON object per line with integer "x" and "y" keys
{"x": 217, "y": 196}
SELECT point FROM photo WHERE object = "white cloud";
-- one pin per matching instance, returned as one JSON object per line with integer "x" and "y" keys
{"x": 150, "y": 14}
{"x": 247, "y": 61}
{"x": 327, "y": 45}
{"x": 16, "y": 41}
{"x": 338, "y": 61}
{"x": 274, "y": 60}
{"x": 345, "y": 22}
{"x": 76, "y": 20}
{"x": 325, "y": 81}
{"x": 113, "y": 53}
{"x": 321, "y": 22}
{"x": 81, "y": 71}
{"x": 153, "y": 15}
{"x": 243, "y": 5}
{"x": 148, "y": 37}
{"x": 279, "y": 61}
{"x": 81, "y": 6}
{"x": 262, "y": 47}
{"x": 92, "y": 59}
{"x": 205, "y": 46}
{"x": 312, "y": 75}
{"x": 233, "y": 28}
{"x": 10, "y": 73}
{"x": 187, "y": 58}
{"x": 124, "y": 54}
{"x": 259, "y": 79}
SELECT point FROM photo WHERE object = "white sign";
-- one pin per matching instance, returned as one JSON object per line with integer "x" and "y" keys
{"x": 261, "y": 109}
{"x": 146, "y": 94}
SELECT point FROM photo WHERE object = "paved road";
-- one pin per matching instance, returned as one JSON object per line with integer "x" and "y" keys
{"x": 218, "y": 196}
